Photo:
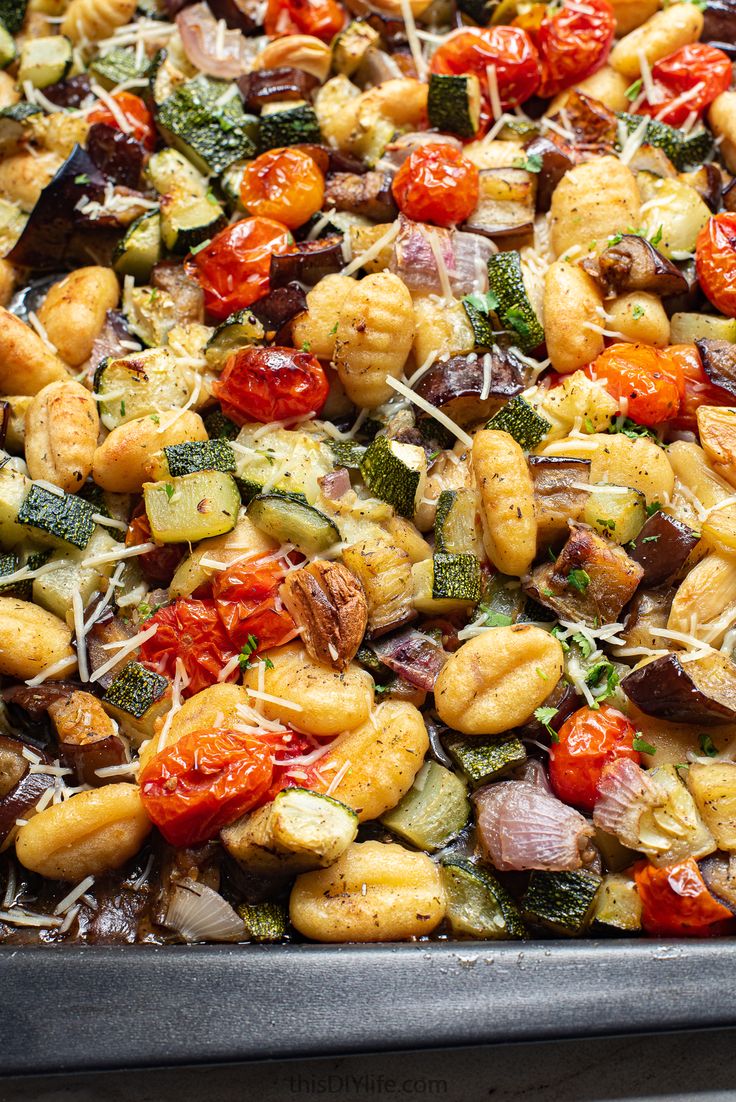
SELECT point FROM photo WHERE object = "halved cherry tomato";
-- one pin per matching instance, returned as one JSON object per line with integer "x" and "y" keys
{"x": 697, "y": 389}
{"x": 157, "y": 566}
{"x": 189, "y": 630}
{"x": 436, "y": 184}
{"x": 320, "y": 18}
{"x": 288, "y": 770}
{"x": 233, "y": 269}
{"x": 246, "y": 597}
{"x": 643, "y": 378}
{"x": 573, "y": 41}
{"x": 284, "y": 184}
{"x": 588, "y": 741}
{"x": 271, "y": 384}
{"x": 135, "y": 111}
{"x": 509, "y": 50}
{"x": 687, "y": 80}
{"x": 676, "y": 902}
{"x": 203, "y": 782}
{"x": 715, "y": 262}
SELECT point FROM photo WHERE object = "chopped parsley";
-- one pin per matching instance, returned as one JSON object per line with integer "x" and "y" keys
{"x": 650, "y": 539}
{"x": 485, "y": 303}
{"x": 122, "y": 409}
{"x": 545, "y": 716}
{"x": 496, "y": 619}
{"x": 306, "y": 345}
{"x": 82, "y": 178}
{"x": 155, "y": 418}
{"x": 579, "y": 579}
{"x": 169, "y": 490}
{"x": 642, "y": 746}
{"x": 516, "y": 318}
{"x": 249, "y": 647}
{"x": 638, "y": 312}
{"x": 333, "y": 330}
{"x": 532, "y": 163}
{"x": 584, "y": 645}
{"x": 656, "y": 237}
{"x": 655, "y": 507}
{"x": 633, "y": 90}
{"x": 202, "y": 245}
{"x": 268, "y": 664}
{"x": 707, "y": 746}
{"x": 540, "y": 673}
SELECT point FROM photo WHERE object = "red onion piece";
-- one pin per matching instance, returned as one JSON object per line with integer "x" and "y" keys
{"x": 335, "y": 484}
{"x": 625, "y": 793}
{"x": 199, "y": 35}
{"x": 465, "y": 256}
{"x": 413, "y": 656}
{"x": 520, "y": 826}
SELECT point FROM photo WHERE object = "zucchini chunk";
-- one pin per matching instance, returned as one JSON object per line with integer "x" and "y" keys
{"x": 289, "y": 126}
{"x": 139, "y": 248}
{"x": 210, "y": 133}
{"x": 477, "y": 905}
{"x": 456, "y": 578}
{"x": 486, "y": 757}
{"x": 349, "y": 47}
{"x": 298, "y": 831}
{"x": 117, "y": 66}
{"x": 618, "y": 903}
{"x": 192, "y": 507}
{"x": 7, "y": 48}
{"x": 288, "y": 519}
{"x": 45, "y": 61}
{"x": 688, "y": 328}
{"x": 12, "y": 14}
{"x": 189, "y": 220}
{"x": 433, "y": 811}
{"x": 219, "y": 426}
{"x": 521, "y": 421}
{"x": 347, "y": 453}
{"x": 238, "y": 331}
{"x": 515, "y": 311}
{"x": 169, "y": 171}
{"x": 136, "y": 698}
{"x": 54, "y": 591}
{"x": 424, "y": 600}
{"x": 618, "y": 512}
{"x": 562, "y": 901}
{"x": 455, "y": 522}
{"x": 453, "y": 104}
{"x": 9, "y": 563}
{"x": 14, "y": 488}
{"x": 264, "y": 921}
{"x": 137, "y": 384}
{"x": 200, "y": 455}
{"x": 58, "y": 519}
{"x": 683, "y": 150}
{"x": 396, "y": 473}
{"x": 150, "y": 314}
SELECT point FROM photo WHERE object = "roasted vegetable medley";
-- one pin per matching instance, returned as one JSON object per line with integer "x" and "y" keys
{"x": 368, "y": 470}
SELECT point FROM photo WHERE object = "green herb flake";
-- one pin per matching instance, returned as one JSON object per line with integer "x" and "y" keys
{"x": 707, "y": 746}
{"x": 198, "y": 248}
{"x": 485, "y": 303}
{"x": 169, "y": 490}
{"x": 515, "y": 317}
{"x": 656, "y": 237}
{"x": 249, "y": 648}
{"x": 155, "y": 418}
{"x": 306, "y": 345}
{"x": 541, "y": 674}
{"x": 532, "y": 163}
{"x": 545, "y": 716}
{"x": 655, "y": 507}
{"x": 633, "y": 90}
{"x": 579, "y": 579}
{"x": 638, "y": 312}
{"x": 497, "y": 619}
{"x": 268, "y": 664}
{"x": 583, "y": 644}
{"x": 122, "y": 409}
{"x": 649, "y": 539}
{"x": 82, "y": 178}
{"x": 333, "y": 330}
{"x": 642, "y": 747}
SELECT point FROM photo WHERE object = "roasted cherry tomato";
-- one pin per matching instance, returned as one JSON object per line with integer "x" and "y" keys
{"x": 642, "y": 379}
{"x": 157, "y": 566}
{"x": 696, "y": 388}
{"x": 191, "y": 631}
{"x": 687, "y": 80}
{"x": 271, "y": 384}
{"x": 715, "y": 262}
{"x": 246, "y": 597}
{"x": 319, "y": 18}
{"x": 509, "y": 50}
{"x": 588, "y": 741}
{"x": 436, "y": 184}
{"x": 203, "y": 782}
{"x": 139, "y": 118}
{"x": 573, "y": 41}
{"x": 233, "y": 269}
{"x": 284, "y": 184}
{"x": 675, "y": 901}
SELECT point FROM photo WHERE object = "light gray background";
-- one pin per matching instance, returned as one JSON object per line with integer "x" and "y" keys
{"x": 676, "y": 1067}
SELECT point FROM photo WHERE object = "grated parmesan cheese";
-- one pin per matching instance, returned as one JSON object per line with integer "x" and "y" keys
{"x": 375, "y": 249}
{"x": 437, "y": 414}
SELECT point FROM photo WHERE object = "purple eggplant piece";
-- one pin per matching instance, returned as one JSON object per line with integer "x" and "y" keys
{"x": 239, "y": 15}
{"x": 702, "y": 691}
{"x": 662, "y": 548}
{"x": 455, "y": 385}
{"x": 729, "y": 196}
{"x": 708, "y": 182}
{"x": 36, "y": 700}
{"x": 117, "y": 155}
{"x": 719, "y": 25}
{"x": 719, "y": 361}
{"x": 20, "y": 790}
{"x": 69, "y": 93}
{"x": 716, "y": 871}
{"x": 188, "y": 296}
{"x": 633, "y": 264}
{"x": 274, "y": 85}
{"x": 565, "y": 700}
{"x": 108, "y": 341}
{"x": 392, "y": 31}
{"x": 368, "y": 194}
{"x": 307, "y": 262}
{"x": 85, "y": 758}
{"x": 413, "y": 656}
{"x": 281, "y": 306}
{"x": 555, "y": 163}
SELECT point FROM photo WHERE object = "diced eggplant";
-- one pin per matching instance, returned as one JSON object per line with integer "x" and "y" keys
{"x": 108, "y": 341}
{"x": 186, "y": 292}
{"x": 280, "y": 307}
{"x": 662, "y": 548}
{"x": 117, "y": 155}
{"x": 71, "y": 92}
{"x": 239, "y": 15}
{"x": 307, "y": 262}
{"x": 648, "y": 611}
{"x": 275, "y": 85}
{"x": 565, "y": 700}
{"x": 556, "y": 159}
{"x": 593, "y": 124}
{"x": 85, "y": 758}
{"x": 719, "y": 361}
{"x": 20, "y": 789}
{"x": 369, "y": 194}
{"x": 412, "y": 655}
{"x": 633, "y": 264}
{"x": 702, "y": 691}
{"x": 107, "y": 630}
{"x": 719, "y": 25}
{"x": 720, "y": 877}
{"x": 729, "y": 196}
{"x": 455, "y": 385}
{"x": 556, "y": 497}
{"x": 591, "y": 580}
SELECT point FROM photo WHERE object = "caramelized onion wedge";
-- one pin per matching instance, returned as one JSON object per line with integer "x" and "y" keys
{"x": 702, "y": 691}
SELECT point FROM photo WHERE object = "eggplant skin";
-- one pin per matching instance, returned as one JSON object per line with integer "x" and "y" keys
{"x": 664, "y": 688}
{"x": 661, "y": 549}
{"x": 719, "y": 361}
{"x": 455, "y": 385}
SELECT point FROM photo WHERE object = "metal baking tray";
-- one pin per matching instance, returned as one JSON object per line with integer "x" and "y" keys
{"x": 73, "y": 1008}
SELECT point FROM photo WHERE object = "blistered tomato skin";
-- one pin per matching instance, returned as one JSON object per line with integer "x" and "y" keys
{"x": 135, "y": 111}
{"x": 676, "y": 902}
{"x": 437, "y": 184}
{"x": 643, "y": 379}
{"x": 573, "y": 41}
{"x": 715, "y": 262}
{"x": 320, "y": 18}
{"x": 271, "y": 384}
{"x": 687, "y": 80}
{"x": 233, "y": 269}
{"x": 588, "y": 741}
{"x": 284, "y": 184}
{"x": 509, "y": 50}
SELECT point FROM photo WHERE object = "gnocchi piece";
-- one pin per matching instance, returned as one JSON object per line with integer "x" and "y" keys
{"x": 26, "y": 364}
{"x": 317, "y": 327}
{"x": 717, "y": 430}
{"x": 93, "y": 20}
{"x": 311, "y": 695}
{"x": 440, "y": 330}
{"x": 297, "y": 51}
{"x": 572, "y": 318}
{"x": 507, "y": 501}
{"x": 592, "y": 202}
{"x": 606, "y": 85}
{"x": 375, "y": 892}
{"x": 87, "y": 835}
{"x": 375, "y": 332}
{"x": 74, "y": 311}
{"x": 121, "y": 464}
{"x": 379, "y": 760}
{"x": 630, "y": 14}
{"x": 23, "y": 176}
{"x": 244, "y": 541}
{"x": 32, "y": 639}
{"x": 663, "y": 33}
{"x": 639, "y": 317}
{"x": 497, "y": 680}
{"x": 617, "y": 459}
{"x": 61, "y": 433}
{"x": 722, "y": 120}
{"x": 9, "y": 93}
{"x": 15, "y": 440}
{"x": 8, "y": 277}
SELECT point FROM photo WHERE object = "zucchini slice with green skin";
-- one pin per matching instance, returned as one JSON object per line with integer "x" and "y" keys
{"x": 14, "y": 488}
{"x": 347, "y": 453}
{"x": 478, "y": 10}
{"x": 483, "y": 321}
{"x": 138, "y": 384}
{"x": 684, "y": 151}
{"x": 396, "y": 473}
{"x": 59, "y": 519}
{"x": 189, "y": 220}
{"x": 139, "y": 248}
{"x": 562, "y": 901}
{"x": 486, "y": 757}
{"x": 453, "y": 104}
{"x": 297, "y": 831}
{"x": 200, "y": 455}
{"x": 688, "y": 328}
{"x": 212, "y": 134}
{"x": 136, "y": 698}
{"x": 264, "y": 921}
{"x": 45, "y": 61}
{"x": 220, "y": 427}
{"x": 9, "y": 563}
{"x": 515, "y": 311}
{"x": 292, "y": 126}
{"x": 456, "y": 577}
{"x": 12, "y": 14}
{"x": 350, "y": 46}
{"x": 150, "y": 314}
{"x": 7, "y": 48}
{"x": 454, "y": 524}
{"x": 117, "y": 66}
{"x": 54, "y": 591}
{"x": 477, "y": 905}
{"x": 192, "y": 507}
{"x": 169, "y": 171}
{"x": 619, "y": 512}
{"x": 239, "y": 330}
{"x": 521, "y": 421}
{"x": 618, "y": 903}
{"x": 434, "y": 810}
{"x": 288, "y": 519}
